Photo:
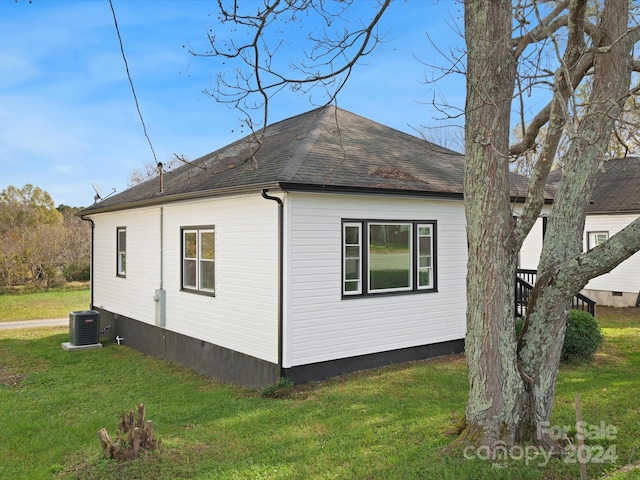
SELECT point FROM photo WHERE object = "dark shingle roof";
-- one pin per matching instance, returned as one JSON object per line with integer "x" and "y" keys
{"x": 617, "y": 187}
{"x": 327, "y": 148}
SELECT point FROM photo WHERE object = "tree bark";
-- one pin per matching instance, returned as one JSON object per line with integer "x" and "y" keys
{"x": 544, "y": 330}
{"x": 493, "y": 408}
{"x": 512, "y": 383}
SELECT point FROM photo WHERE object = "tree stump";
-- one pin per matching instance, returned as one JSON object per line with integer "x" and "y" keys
{"x": 134, "y": 436}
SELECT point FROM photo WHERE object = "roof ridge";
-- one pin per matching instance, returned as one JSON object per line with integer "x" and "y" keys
{"x": 291, "y": 167}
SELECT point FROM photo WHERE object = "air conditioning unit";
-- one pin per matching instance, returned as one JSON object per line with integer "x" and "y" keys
{"x": 84, "y": 327}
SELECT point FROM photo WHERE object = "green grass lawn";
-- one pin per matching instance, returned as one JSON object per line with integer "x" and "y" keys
{"x": 55, "y": 303}
{"x": 388, "y": 423}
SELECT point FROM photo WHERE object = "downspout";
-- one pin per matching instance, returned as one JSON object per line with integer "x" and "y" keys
{"x": 93, "y": 226}
{"x": 280, "y": 274}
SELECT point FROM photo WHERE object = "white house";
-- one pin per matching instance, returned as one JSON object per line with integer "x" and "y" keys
{"x": 615, "y": 203}
{"x": 338, "y": 244}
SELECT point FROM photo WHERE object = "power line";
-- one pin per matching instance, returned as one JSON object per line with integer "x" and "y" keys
{"x": 135, "y": 98}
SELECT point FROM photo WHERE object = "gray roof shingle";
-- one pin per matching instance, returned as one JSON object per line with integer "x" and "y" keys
{"x": 617, "y": 187}
{"x": 327, "y": 148}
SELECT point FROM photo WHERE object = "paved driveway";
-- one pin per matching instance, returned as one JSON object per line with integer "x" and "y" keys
{"x": 50, "y": 322}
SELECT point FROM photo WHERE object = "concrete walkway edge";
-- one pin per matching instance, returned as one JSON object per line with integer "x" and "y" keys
{"x": 49, "y": 322}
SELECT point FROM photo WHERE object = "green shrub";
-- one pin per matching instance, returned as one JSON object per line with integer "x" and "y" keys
{"x": 79, "y": 271}
{"x": 519, "y": 325}
{"x": 582, "y": 338}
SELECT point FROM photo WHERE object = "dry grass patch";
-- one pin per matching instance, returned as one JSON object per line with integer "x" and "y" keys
{"x": 10, "y": 379}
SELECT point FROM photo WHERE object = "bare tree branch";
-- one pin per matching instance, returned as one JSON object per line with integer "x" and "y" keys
{"x": 255, "y": 79}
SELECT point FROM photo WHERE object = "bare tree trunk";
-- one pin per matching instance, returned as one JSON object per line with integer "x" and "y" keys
{"x": 543, "y": 335}
{"x": 512, "y": 384}
{"x": 496, "y": 388}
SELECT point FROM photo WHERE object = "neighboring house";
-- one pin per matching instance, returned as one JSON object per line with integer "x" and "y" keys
{"x": 340, "y": 245}
{"x": 615, "y": 203}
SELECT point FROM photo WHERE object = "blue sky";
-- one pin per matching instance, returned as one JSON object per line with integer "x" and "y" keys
{"x": 67, "y": 114}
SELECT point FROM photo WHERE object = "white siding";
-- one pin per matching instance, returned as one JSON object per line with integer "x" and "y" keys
{"x": 626, "y": 276}
{"x": 532, "y": 247}
{"x": 243, "y": 314}
{"x": 322, "y": 326}
{"x": 132, "y": 295}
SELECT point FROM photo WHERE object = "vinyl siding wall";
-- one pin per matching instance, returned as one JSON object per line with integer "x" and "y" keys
{"x": 131, "y": 295}
{"x": 243, "y": 314}
{"x": 626, "y": 276}
{"x": 532, "y": 246}
{"x": 320, "y": 325}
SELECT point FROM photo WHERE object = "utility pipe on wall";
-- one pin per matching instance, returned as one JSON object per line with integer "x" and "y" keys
{"x": 160, "y": 294}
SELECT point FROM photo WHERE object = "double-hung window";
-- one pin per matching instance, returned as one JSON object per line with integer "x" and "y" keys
{"x": 121, "y": 251}
{"x": 198, "y": 259}
{"x": 388, "y": 257}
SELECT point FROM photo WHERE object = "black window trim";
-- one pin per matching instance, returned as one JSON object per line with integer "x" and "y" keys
{"x": 364, "y": 267}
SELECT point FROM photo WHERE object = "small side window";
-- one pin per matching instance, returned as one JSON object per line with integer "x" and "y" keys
{"x": 425, "y": 256}
{"x": 121, "y": 251}
{"x": 352, "y": 258}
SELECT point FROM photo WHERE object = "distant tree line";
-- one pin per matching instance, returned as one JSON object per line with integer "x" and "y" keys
{"x": 39, "y": 243}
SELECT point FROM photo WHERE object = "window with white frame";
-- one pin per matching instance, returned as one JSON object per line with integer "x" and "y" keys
{"x": 121, "y": 251}
{"x": 198, "y": 259}
{"x": 425, "y": 256}
{"x": 596, "y": 238}
{"x": 388, "y": 257}
{"x": 352, "y": 258}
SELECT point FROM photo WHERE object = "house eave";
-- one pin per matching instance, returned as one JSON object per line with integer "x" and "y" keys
{"x": 324, "y": 188}
{"x": 520, "y": 199}
{"x": 317, "y": 188}
{"x": 164, "y": 199}
{"x": 615, "y": 212}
